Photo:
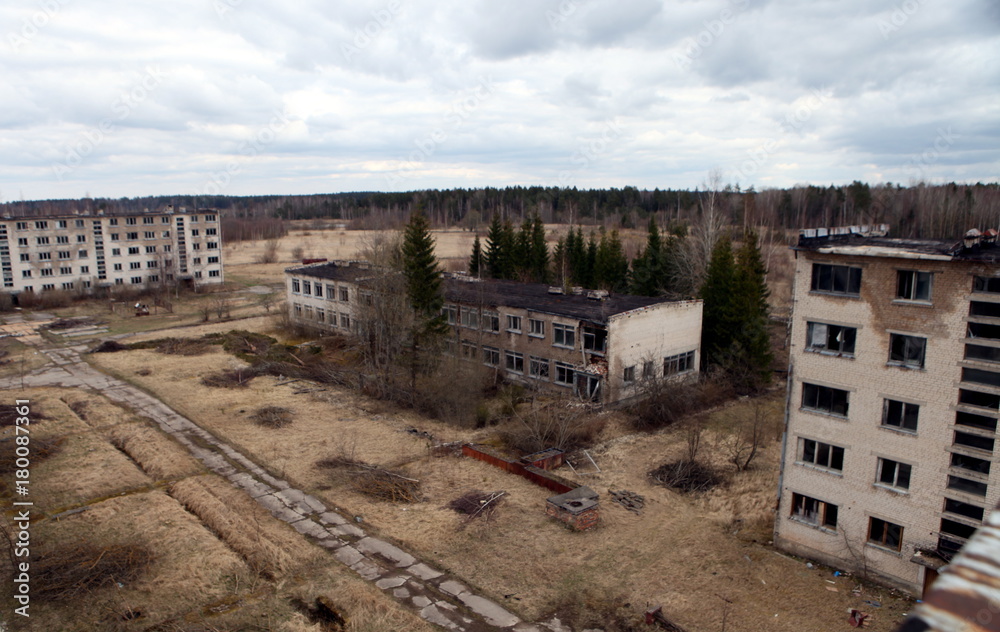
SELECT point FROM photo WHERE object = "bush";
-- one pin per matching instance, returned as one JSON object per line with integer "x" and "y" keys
{"x": 551, "y": 426}
{"x": 77, "y": 571}
{"x": 272, "y": 416}
{"x": 665, "y": 403}
{"x": 238, "y": 378}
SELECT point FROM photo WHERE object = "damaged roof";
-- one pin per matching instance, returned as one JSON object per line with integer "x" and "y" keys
{"x": 873, "y": 241}
{"x": 534, "y": 297}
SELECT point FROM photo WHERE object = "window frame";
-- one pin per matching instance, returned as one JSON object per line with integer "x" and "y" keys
{"x": 491, "y": 356}
{"x": 907, "y": 290}
{"x": 812, "y": 330}
{"x": 513, "y": 360}
{"x": 821, "y": 510}
{"x": 888, "y": 403}
{"x": 850, "y": 283}
{"x": 560, "y": 334}
{"x": 908, "y": 342}
{"x": 824, "y": 455}
{"x": 832, "y": 411}
{"x": 538, "y": 368}
{"x": 882, "y": 541}
{"x": 514, "y": 324}
{"x": 536, "y": 328}
{"x": 896, "y": 474}
{"x": 678, "y": 364}
{"x": 568, "y": 371}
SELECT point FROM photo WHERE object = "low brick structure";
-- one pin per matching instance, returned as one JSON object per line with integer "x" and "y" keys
{"x": 578, "y": 508}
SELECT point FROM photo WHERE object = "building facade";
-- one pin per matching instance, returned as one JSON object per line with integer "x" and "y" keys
{"x": 894, "y": 397}
{"x": 88, "y": 252}
{"x": 601, "y": 347}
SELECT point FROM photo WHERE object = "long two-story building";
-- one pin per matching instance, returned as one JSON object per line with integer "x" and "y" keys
{"x": 894, "y": 399}
{"x": 87, "y": 252}
{"x": 597, "y": 345}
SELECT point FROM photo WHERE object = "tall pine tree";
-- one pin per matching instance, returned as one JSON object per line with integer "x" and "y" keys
{"x": 753, "y": 339}
{"x": 720, "y": 319}
{"x": 476, "y": 260}
{"x": 648, "y": 269}
{"x": 539, "y": 251}
{"x": 611, "y": 264}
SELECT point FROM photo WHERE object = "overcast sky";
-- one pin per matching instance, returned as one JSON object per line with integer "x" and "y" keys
{"x": 112, "y": 98}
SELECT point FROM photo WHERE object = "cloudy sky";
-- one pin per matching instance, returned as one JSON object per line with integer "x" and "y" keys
{"x": 112, "y": 98}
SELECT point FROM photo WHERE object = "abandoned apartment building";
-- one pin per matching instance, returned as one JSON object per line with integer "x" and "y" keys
{"x": 83, "y": 252}
{"x": 599, "y": 346}
{"x": 893, "y": 401}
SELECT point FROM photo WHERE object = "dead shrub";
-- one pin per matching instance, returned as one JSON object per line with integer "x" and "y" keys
{"x": 109, "y": 346}
{"x": 272, "y": 416}
{"x": 477, "y": 504}
{"x": 75, "y": 571}
{"x": 183, "y": 346}
{"x": 686, "y": 475}
{"x": 41, "y": 449}
{"x": 321, "y": 612}
{"x": 552, "y": 425}
{"x": 143, "y": 372}
{"x": 664, "y": 403}
{"x": 387, "y": 485}
{"x": 236, "y": 378}
{"x": 598, "y": 609}
{"x": 80, "y": 408}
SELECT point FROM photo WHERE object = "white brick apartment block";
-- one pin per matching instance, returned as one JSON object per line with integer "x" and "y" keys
{"x": 89, "y": 252}
{"x": 894, "y": 399}
{"x": 598, "y": 346}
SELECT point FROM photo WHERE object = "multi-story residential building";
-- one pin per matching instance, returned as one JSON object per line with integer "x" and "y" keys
{"x": 597, "y": 345}
{"x": 88, "y": 252}
{"x": 894, "y": 396}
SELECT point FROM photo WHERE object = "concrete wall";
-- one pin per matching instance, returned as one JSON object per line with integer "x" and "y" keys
{"x": 651, "y": 333}
{"x": 870, "y": 378}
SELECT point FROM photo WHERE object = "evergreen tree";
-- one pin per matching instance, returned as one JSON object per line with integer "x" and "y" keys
{"x": 589, "y": 262}
{"x": 720, "y": 319}
{"x": 522, "y": 252}
{"x": 611, "y": 265}
{"x": 649, "y": 274}
{"x": 753, "y": 338}
{"x": 559, "y": 262}
{"x": 539, "y": 251}
{"x": 508, "y": 264}
{"x": 576, "y": 256}
{"x": 423, "y": 289}
{"x": 494, "y": 247}
{"x": 476, "y": 261}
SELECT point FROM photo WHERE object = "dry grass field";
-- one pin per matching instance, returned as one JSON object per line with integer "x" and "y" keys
{"x": 706, "y": 558}
{"x": 152, "y": 542}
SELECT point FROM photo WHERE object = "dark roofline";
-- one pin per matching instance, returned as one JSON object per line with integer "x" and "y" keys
{"x": 535, "y": 297}
{"x": 873, "y": 241}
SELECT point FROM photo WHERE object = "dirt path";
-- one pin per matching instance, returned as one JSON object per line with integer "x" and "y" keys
{"x": 438, "y": 598}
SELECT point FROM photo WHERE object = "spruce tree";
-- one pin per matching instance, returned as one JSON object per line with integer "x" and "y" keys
{"x": 720, "y": 319}
{"x": 476, "y": 260}
{"x": 648, "y": 269}
{"x": 494, "y": 247}
{"x": 423, "y": 289}
{"x": 539, "y": 252}
{"x": 753, "y": 338}
{"x": 611, "y": 265}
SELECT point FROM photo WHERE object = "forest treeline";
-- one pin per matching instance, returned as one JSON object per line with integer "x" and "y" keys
{"x": 921, "y": 211}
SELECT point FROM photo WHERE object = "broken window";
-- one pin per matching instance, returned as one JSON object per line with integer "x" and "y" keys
{"x": 900, "y": 415}
{"x": 982, "y": 353}
{"x": 988, "y": 310}
{"x": 538, "y": 367}
{"x": 345, "y": 320}
{"x": 913, "y": 286}
{"x": 956, "y": 529}
{"x": 345, "y": 295}
{"x": 976, "y": 421}
{"x": 963, "y": 509}
{"x": 469, "y": 349}
{"x": 491, "y": 356}
{"x": 648, "y": 370}
{"x": 331, "y": 292}
{"x": 831, "y": 338}
{"x": 629, "y": 375}
{"x": 563, "y": 335}
{"x": 824, "y": 399}
{"x": 536, "y": 327}
{"x": 894, "y": 474}
{"x": 306, "y": 287}
{"x": 513, "y": 323}
{"x": 975, "y": 398}
{"x": 979, "y": 376}
{"x": 907, "y": 351}
{"x": 680, "y": 363}
{"x": 971, "y": 463}
{"x": 988, "y": 285}
{"x": 588, "y": 386}
{"x": 595, "y": 340}
{"x": 470, "y": 317}
{"x": 978, "y": 442}
{"x": 491, "y": 320}
{"x": 514, "y": 361}
{"x": 450, "y": 313}
{"x": 564, "y": 373}
{"x": 836, "y": 279}
{"x": 814, "y": 512}
{"x": 967, "y": 485}
{"x": 821, "y": 454}
{"x": 885, "y": 533}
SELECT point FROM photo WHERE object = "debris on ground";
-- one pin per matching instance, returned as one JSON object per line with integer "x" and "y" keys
{"x": 629, "y": 500}
{"x": 374, "y": 481}
{"x": 477, "y": 504}
{"x": 109, "y": 346}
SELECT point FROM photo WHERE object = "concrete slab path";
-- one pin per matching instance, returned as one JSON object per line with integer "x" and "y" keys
{"x": 436, "y": 596}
